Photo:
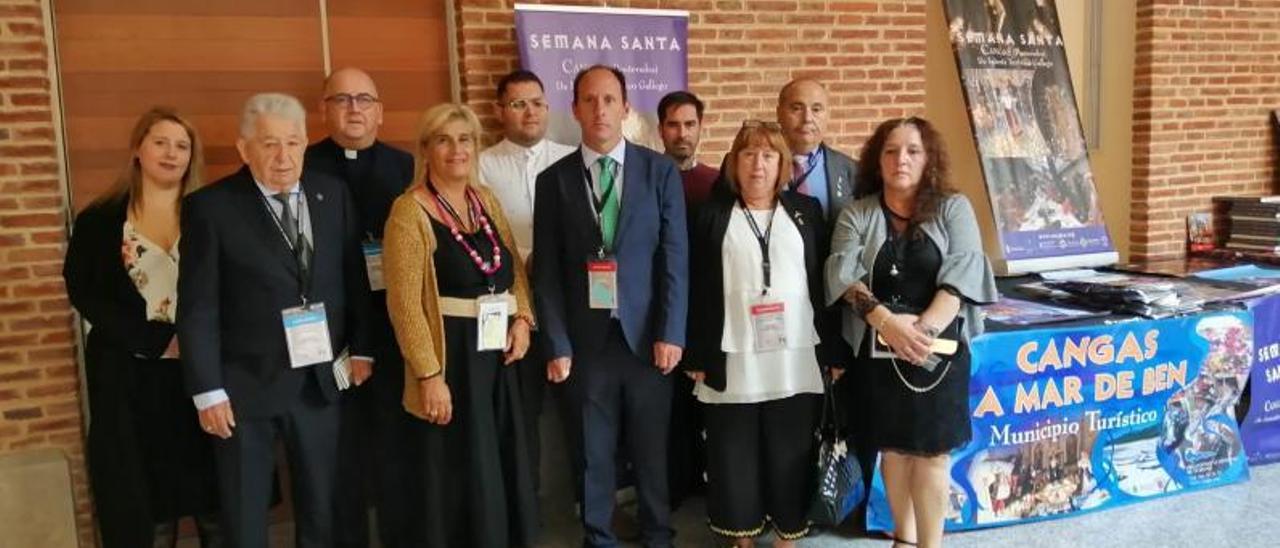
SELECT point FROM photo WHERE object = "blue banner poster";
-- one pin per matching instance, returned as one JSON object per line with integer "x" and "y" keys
{"x": 1261, "y": 427}
{"x": 650, "y": 48}
{"x": 1078, "y": 419}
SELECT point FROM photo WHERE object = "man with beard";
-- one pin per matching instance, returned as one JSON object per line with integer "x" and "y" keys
{"x": 510, "y": 168}
{"x": 680, "y": 126}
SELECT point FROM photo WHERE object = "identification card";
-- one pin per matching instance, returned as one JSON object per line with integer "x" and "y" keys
{"x": 373, "y": 264}
{"x": 491, "y": 322}
{"x": 769, "y": 325}
{"x": 306, "y": 333}
{"x": 602, "y": 283}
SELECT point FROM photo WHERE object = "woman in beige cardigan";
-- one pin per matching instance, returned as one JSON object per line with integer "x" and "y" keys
{"x": 459, "y": 302}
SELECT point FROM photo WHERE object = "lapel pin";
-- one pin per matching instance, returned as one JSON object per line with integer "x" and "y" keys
{"x": 319, "y": 197}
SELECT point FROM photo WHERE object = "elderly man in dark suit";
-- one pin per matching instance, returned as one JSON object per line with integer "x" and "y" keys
{"x": 818, "y": 170}
{"x": 611, "y": 288}
{"x": 272, "y": 294}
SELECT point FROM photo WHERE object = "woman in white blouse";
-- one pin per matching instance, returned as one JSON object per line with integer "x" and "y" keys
{"x": 754, "y": 344}
{"x": 149, "y": 462}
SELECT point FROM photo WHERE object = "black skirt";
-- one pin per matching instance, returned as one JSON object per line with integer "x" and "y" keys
{"x": 149, "y": 462}
{"x": 920, "y": 412}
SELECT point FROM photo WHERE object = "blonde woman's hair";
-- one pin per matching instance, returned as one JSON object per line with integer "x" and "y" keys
{"x": 431, "y": 122}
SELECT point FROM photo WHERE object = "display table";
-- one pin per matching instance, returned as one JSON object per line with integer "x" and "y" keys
{"x": 1098, "y": 413}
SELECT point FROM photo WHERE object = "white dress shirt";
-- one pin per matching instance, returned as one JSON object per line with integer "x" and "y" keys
{"x": 511, "y": 171}
{"x": 751, "y": 376}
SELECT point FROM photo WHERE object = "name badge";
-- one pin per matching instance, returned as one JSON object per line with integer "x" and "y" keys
{"x": 602, "y": 283}
{"x": 491, "y": 322}
{"x": 769, "y": 324}
{"x": 373, "y": 264}
{"x": 306, "y": 333}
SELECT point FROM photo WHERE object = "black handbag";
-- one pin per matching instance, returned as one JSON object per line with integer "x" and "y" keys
{"x": 839, "y": 488}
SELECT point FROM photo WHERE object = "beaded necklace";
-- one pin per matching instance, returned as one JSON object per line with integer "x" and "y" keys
{"x": 477, "y": 217}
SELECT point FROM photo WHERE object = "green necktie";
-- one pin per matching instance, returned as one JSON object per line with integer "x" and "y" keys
{"x": 609, "y": 213}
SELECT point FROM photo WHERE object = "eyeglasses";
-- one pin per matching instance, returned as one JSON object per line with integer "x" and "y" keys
{"x": 361, "y": 101}
{"x": 523, "y": 105}
{"x": 752, "y": 124}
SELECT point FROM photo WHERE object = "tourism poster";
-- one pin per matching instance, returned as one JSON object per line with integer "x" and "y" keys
{"x": 1022, "y": 110}
{"x": 650, "y": 48}
{"x": 1077, "y": 419}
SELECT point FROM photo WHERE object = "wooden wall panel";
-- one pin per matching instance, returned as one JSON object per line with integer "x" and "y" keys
{"x": 404, "y": 46}
{"x": 117, "y": 59}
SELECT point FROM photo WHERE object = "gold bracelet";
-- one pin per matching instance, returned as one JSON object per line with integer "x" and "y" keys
{"x": 880, "y": 327}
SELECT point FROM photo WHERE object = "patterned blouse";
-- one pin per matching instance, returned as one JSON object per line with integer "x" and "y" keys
{"x": 154, "y": 272}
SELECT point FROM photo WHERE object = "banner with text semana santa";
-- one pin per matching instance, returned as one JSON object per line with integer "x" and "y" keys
{"x": 649, "y": 47}
{"x": 1078, "y": 419}
{"x": 1261, "y": 427}
{"x": 1022, "y": 109}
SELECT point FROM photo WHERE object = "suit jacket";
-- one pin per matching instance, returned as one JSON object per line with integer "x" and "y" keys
{"x": 651, "y": 247}
{"x": 388, "y": 174}
{"x": 99, "y": 287}
{"x": 842, "y": 171}
{"x": 236, "y": 276}
{"x": 706, "y": 308}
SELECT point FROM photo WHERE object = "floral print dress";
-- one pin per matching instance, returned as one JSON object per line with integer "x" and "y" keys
{"x": 154, "y": 271}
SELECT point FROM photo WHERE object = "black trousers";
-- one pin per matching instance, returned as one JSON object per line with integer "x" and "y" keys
{"x": 760, "y": 465}
{"x": 375, "y": 456}
{"x": 617, "y": 393}
{"x": 246, "y": 460}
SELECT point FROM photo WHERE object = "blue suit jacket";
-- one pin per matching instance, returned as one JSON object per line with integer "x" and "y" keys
{"x": 651, "y": 247}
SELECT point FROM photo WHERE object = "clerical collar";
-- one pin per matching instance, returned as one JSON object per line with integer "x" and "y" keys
{"x": 350, "y": 154}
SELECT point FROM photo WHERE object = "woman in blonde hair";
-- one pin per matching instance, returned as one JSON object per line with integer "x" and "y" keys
{"x": 149, "y": 463}
{"x": 459, "y": 301}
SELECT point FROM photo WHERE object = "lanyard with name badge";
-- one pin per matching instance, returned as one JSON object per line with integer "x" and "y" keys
{"x": 306, "y": 327}
{"x": 602, "y": 270}
{"x": 492, "y": 310}
{"x": 768, "y": 314}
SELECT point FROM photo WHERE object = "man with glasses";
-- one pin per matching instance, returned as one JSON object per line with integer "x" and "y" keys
{"x": 510, "y": 169}
{"x": 372, "y": 446}
{"x": 819, "y": 170}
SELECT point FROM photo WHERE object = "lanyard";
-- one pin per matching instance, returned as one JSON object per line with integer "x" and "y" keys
{"x": 304, "y": 282}
{"x": 472, "y": 244}
{"x": 597, "y": 204}
{"x": 762, "y": 238}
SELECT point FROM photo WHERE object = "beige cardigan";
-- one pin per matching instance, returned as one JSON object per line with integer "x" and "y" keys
{"x": 412, "y": 293}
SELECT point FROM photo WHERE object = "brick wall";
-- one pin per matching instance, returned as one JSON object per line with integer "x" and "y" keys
{"x": 1206, "y": 77}
{"x": 39, "y": 383}
{"x": 870, "y": 54}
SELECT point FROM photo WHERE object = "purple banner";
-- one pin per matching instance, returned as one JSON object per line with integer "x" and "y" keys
{"x": 1261, "y": 427}
{"x": 649, "y": 47}
{"x": 1022, "y": 108}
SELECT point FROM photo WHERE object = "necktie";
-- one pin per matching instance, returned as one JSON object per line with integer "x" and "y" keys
{"x": 800, "y": 167}
{"x": 609, "y": 213}
{"x": 301, "y": 247}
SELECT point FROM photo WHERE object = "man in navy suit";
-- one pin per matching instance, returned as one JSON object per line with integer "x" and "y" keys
{"x": 611, "y": 287}
{"x": 272, "y": 288}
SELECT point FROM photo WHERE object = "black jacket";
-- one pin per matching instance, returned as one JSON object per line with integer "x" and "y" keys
{"x": 706, "y": 303}
{"x": 101, "y": 290}
{"x": 238, "y": 274}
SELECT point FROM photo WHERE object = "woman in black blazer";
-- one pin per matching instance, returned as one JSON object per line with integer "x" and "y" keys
{"x": 149, "y": 463}
{"x": 760, "y": 340}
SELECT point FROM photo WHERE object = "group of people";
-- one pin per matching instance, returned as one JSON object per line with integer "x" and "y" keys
{"x": 395, "y": 320}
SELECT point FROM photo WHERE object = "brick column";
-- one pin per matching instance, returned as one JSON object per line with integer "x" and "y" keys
{"x": 39, "y": 383}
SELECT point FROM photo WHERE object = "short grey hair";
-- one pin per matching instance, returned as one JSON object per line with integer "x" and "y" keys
{"x": 275, "y": 104}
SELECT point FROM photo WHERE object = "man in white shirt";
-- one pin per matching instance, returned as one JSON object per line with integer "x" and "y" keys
{"x": 510, "y": 169}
